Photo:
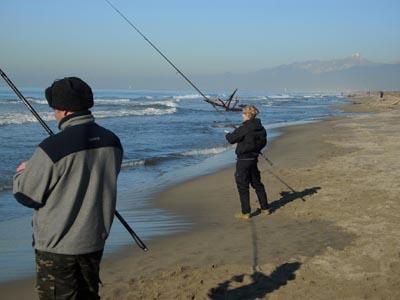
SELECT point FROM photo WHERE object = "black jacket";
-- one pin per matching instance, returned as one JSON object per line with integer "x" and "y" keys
{"x": 251, "y": 137}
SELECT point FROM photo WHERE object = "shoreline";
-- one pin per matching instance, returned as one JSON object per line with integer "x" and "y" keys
{"x": 213, "y": 251}
{"x": 182, "y": 266}
{"x": 207, "y": 168}
{"x": 25, "y": 285}
{"x": 221, "y": 256}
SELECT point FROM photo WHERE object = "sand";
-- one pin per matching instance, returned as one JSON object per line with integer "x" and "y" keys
{"x": 342, "y": 242}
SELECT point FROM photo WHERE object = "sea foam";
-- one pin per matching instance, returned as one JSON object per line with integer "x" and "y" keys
{"x": 206, "y": 151}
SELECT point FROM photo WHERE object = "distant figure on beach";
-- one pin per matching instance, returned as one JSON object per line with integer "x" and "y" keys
{"x": 71, "y": 183}
{"x": 381, "y": 94}
{"x": 251, "y": 138}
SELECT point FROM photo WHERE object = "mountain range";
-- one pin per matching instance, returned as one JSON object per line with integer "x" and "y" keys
{"x": 346, "y": 74}
{"x": 350, "y": 73}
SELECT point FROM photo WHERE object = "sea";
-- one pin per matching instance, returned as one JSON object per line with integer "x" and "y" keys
{"x": 168, "y": 137}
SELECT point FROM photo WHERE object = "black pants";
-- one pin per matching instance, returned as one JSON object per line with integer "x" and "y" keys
{"x": 247, "y": 173}
{"x": 60, "y": 276}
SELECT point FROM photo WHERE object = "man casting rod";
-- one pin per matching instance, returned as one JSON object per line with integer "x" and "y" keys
{"x": 188, "y": 80}
{"x": 50, "y": 132}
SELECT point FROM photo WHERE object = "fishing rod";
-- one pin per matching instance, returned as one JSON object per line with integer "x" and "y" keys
{"x": 208, "y": 100}
{"x": 280, "y": 179}
{"x": 50, "y": 132}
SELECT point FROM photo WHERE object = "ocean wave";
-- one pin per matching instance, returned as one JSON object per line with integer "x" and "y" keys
{"x": 207, "y": 151}
{"x": 138, "y": 102}
{"x": 17, "y": 101}
{"x": 169, "y": 103}
{"x": 21, "y": 118}
{"x": 186, "y": 97}
{"x": 5, "y": 186}
{"x": 280, "y": 97}
{"x": 30, "y": 100}
{"x": 111, "y": 101}
{"x": 150, "y": 111}
{"x": 262, "y": 98}
{"x": 314, "y": 96}
{"x": 224, "y": 124}
{"x": 152, "y": 161}
{"x": 257, "y": 98}
{"x": 38, "y": 101}
{"x": 142, "y": 102}
{"x": 129, "y": 164}
{"x": 9, "y": 101}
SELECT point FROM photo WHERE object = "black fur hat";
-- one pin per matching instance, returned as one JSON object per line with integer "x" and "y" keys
{"x": 70, "y": 93}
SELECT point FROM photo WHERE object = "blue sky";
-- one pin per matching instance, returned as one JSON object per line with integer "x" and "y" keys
{"x": 44, "y": 39}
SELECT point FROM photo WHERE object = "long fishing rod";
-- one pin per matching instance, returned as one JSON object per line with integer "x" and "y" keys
{"x": 50, "y": 132}
{"x": 162, "y": 54}
{"x": 280, "y": 179}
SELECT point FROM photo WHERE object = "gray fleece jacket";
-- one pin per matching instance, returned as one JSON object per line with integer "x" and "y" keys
{"x": 71, "y": 182}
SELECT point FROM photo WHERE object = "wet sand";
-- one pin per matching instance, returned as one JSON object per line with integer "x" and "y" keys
{"x": 341, "y": 242}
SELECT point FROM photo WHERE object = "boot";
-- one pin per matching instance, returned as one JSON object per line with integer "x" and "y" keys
{"x": 242, "y": 216}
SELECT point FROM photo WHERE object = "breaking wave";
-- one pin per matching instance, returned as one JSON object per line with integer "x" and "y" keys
{"x": 157, "y": 109}
{"x": 129, "y": 164}
{"x": 147, "y": 100}
{"x": 5, "y": 186}
{"x": 207, "y": 151}
{"x": 21, "y": 118}
{"x": 111, "y": 101}
{"x": 277, "y": 97}
{"x": 134, "y": 102}
{"x": 188, "y": 96}
{"x": 224, "y": 124}
{"x": 150, "y": 111}
{"x": 136, "y": 163}
{"x": 17, "y": 101}
{"x": 9, "y": 101}
{"x": 153, "y": 161}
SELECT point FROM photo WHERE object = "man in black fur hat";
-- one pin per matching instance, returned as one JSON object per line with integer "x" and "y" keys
{"x": 71, "y": 183}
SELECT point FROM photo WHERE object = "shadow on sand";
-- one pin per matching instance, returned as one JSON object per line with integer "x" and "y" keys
{"x": 287, "y": 197}
{"x": 260, "y": 285}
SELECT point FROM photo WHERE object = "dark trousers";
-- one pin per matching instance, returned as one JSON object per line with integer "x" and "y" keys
{"x": 60, "y": 276}
{"x": 247, "y": 173}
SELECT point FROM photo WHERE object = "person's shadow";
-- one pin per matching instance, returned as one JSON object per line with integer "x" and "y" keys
{"x": 260, "y": 286}
{"x": 287, "y": 197}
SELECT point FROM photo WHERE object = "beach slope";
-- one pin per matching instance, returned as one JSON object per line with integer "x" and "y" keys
{"x": 341, "y": 242}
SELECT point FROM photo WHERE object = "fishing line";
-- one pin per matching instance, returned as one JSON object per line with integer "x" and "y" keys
{"x": 162, "y": 54}
{"x": 208, "y": 100}
{"x": 279, "y": 178}
{"x": 158, "y": 50}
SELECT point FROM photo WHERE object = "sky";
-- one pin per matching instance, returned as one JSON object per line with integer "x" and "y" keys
{"x": 46, "y": 39}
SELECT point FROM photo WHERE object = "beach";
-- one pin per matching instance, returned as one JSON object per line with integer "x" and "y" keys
{"x": 336, "y": 237}
{"x": 169, "y": 137}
